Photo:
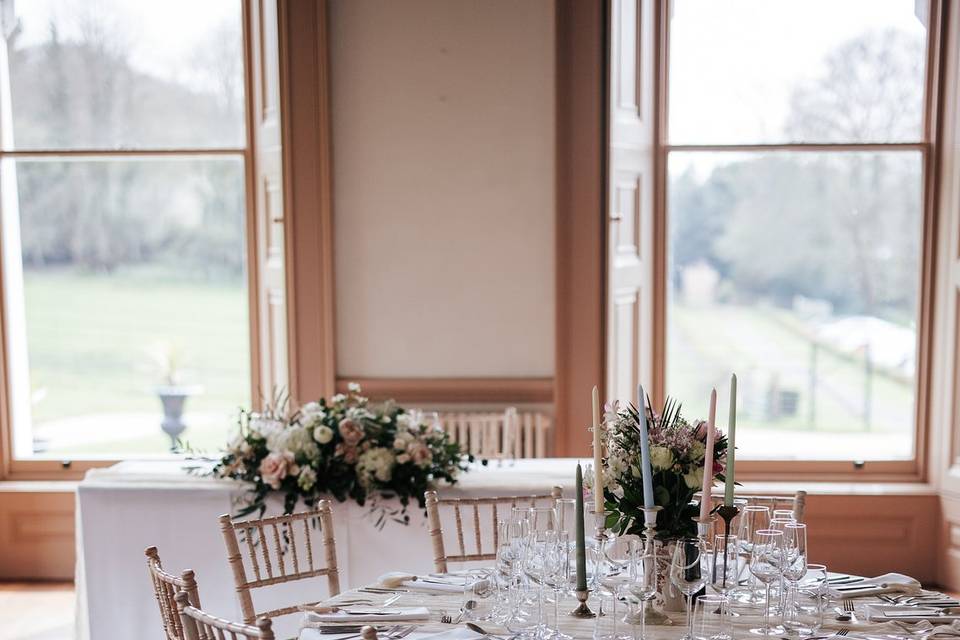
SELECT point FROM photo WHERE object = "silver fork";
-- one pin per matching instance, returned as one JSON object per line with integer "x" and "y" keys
{"x": 842, "y": 632}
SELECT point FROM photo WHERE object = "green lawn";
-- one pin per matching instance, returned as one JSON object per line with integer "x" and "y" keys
{"x": 89, "y": 338}
{"x": 706, "y": 344}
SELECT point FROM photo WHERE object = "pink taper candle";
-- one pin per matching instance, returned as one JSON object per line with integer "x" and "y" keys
{"x": 705, "y": 501}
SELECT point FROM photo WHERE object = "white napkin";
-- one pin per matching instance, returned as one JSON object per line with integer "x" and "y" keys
{"x": 887, "y": 583}
{"x": 369, "y": 614}
{"x": 448, "y": 584}
{"x": 457, "y": 633}
{"x": 439, "y": 584}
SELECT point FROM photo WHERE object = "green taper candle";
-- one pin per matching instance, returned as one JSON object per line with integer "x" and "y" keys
{"x": 731, "y": 443}
{"x": 581, "y": 542}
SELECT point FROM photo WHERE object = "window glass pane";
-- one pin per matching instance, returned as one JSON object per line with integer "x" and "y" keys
{"x": 113, "y": 74}
{"x": 127, "y": 286}
{"x": 762, "y": 71}
{"x": 799, "y": 272}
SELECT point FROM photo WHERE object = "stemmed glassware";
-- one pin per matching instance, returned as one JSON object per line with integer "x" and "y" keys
{"x": 559, "y": 578}
{"x": 642, "y": 583}
{"x": 766, "y": 564}
{"x": 689, "y": 572}
{"x": 752, "y": 518}
{"x": 541, "y": 553}
{"x": 794, "y": 569}
{"x": 613, "y": 576}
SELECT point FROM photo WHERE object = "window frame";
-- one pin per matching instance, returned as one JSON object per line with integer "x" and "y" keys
{"x": 916, "y": 468}
{"x": 46, "y": 468}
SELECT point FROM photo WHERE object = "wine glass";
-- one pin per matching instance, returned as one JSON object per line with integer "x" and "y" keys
{"x": 542, "y": 519}
{"x": 643, "y": 580}
{"x": 558, "y": 577}
{"x": 613, "y": 578}
{"x": 753, "y": 518}
{"x": 538, "y": 564}
{"x": 689, "y": 571}
{"x": 766, "y": 564}
{"x": 784, "y": 513}
{"x": 794, "y": 568}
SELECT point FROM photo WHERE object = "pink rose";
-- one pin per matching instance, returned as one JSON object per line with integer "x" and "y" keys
{"x": 347, "y": 452}
{"x": 277, "y": 466}
{"x": 420, "y": 454}
{"x": 351, "y": 431}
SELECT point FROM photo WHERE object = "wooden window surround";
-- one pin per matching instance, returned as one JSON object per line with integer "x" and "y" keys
{"x": 257, "y": 111}
{"x": 916, "y": 469}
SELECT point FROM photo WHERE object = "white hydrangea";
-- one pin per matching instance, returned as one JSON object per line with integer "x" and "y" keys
{"x": 405, "y": 421}
{"x": 376, "y": 463}
{"x": 264, "y": 425}
{"x": 296, "y": 440}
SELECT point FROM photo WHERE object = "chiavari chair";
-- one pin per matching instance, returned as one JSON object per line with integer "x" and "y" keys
{"x": 470, "y": 509}
{"x": 199, "y": 625}
{"x": 165, "y": 587}
{"x": 278, "y": 550}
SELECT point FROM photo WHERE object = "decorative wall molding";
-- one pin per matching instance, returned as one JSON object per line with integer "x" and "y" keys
{"x": 455, "y": 390}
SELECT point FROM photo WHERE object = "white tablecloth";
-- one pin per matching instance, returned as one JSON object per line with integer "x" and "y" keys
{"x": 123, "y": 509}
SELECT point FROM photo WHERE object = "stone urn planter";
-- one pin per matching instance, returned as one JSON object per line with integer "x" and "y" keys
{"x": 173, "y": 398}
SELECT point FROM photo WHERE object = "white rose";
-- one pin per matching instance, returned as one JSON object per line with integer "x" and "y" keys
{"x": 661, "y": 458}
{"x": 405, "y": 421}
{"x": 694, "y": 479}
{"x": 323, "y": 434}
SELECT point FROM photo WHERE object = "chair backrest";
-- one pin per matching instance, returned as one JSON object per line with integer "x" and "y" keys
{"x": 506, "y": 435}
{"x": 198, "y": 625}
{"x": 278, "y": 550}
{"x": 165, "y": 587}
{"x": 796, "y": 502}
{"x": 470, "y": 509}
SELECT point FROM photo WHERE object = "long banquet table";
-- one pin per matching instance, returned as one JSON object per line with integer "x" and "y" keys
{"x": 125, "y": 508}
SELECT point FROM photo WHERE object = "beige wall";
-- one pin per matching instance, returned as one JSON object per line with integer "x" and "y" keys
{"x": 443, "y": 172}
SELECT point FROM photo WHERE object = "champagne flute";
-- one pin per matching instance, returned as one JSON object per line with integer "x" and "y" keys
{"x": 643, "y": 580}
{"x": 689, "y": 571}
{"x": 766, "y": 564}
{"x": 537, "y": 564}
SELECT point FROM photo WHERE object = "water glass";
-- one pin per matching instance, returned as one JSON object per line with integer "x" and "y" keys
{"x": 567, "y": 516}
{"x": 480, "y": 596}
{"x": 689, "y": 572}
{"x": 711, "y": 620}
{"x": 786, "y": 514}
{"x": 724, "y": 563}
{"x": 766, "y": 564}
{"x": 753, "y": 518}
{"x": 805, "y": 615}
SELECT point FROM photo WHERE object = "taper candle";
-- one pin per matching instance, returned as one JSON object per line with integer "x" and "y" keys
{"x": 731, "y": 442}
{"x": 597, "y": 455}
{"x": 580, "y": 541}
{"x": 645, "y": 469}
{"x": 705, "y": 501}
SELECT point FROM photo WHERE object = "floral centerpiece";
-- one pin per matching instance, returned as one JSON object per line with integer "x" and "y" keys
{"x": 346, "y": 447}
{"x": 677, "y": 448}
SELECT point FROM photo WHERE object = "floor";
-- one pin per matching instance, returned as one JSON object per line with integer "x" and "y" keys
{"x": 36, "y": 610}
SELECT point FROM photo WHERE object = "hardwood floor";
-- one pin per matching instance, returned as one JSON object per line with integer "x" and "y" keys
{"x": 37, "y": 610}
